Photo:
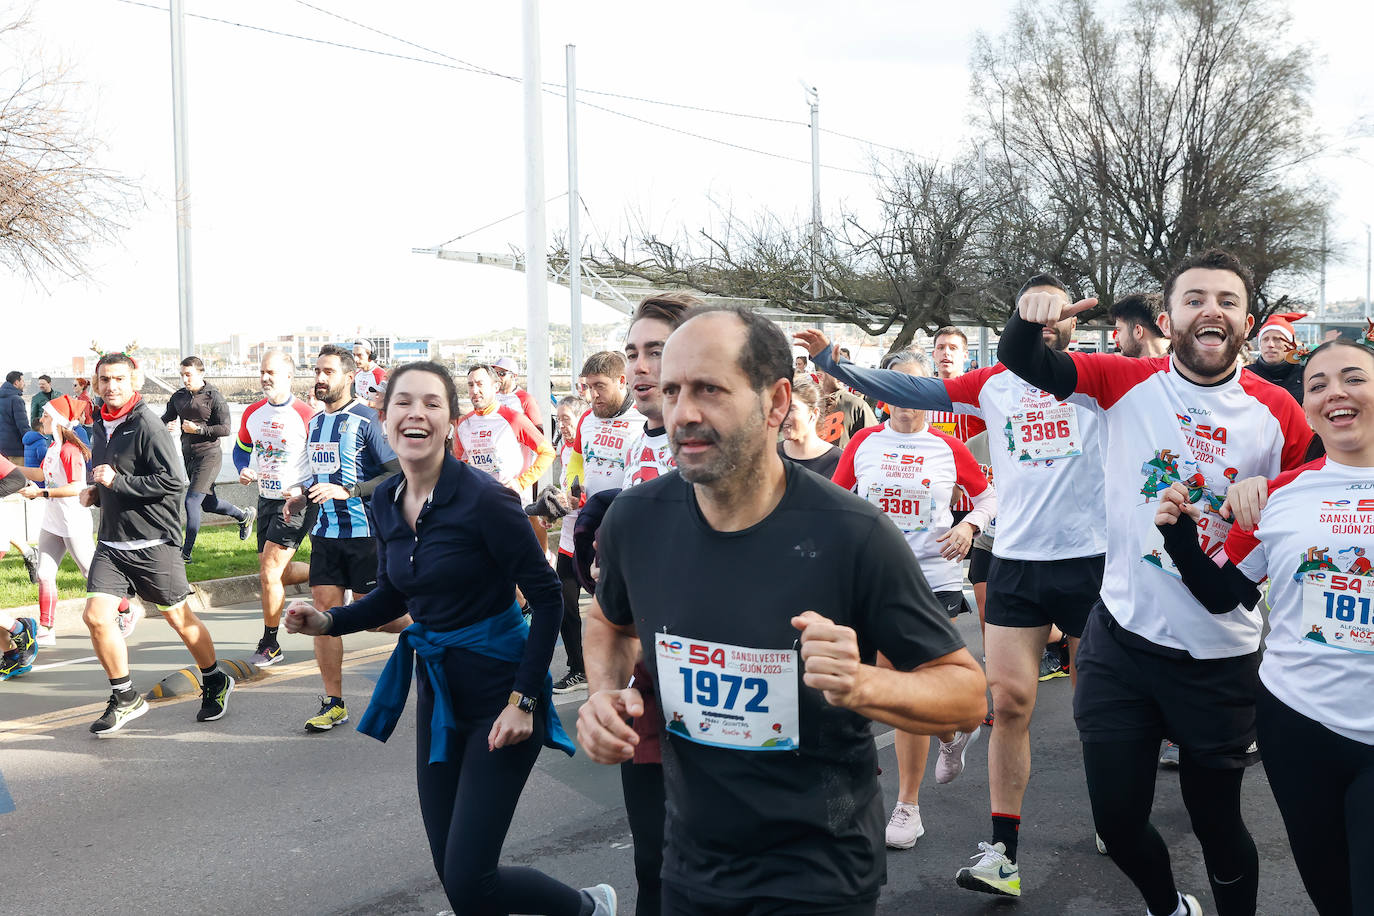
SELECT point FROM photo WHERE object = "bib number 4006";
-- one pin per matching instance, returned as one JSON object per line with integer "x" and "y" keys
{"x": 704, "y": 688}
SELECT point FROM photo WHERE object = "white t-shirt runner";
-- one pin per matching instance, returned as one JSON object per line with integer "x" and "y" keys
{"x": 601, "y": 451}
{"x": 1162, "y": 428}
{"x": 275, "y": 437}
{"x": 501, "y": 442}
{"x": 64, "y": 515}
{"x": 911, "y": 478}
{"x": 1315, "y": 543}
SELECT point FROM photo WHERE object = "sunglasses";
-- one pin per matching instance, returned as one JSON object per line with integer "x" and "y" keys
{"x": 501, "y": 373}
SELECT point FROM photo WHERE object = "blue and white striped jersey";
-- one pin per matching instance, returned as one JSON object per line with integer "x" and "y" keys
{"x": 346, "y": 447}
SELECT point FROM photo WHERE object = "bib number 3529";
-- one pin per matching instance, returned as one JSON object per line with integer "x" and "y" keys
{"x": 728, "y": 696}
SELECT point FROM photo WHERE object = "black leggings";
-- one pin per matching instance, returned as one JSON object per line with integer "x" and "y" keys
{"x": 196, "y": 503}
{"x": 1323, "y": 783}
{"x": 1121, "y": 785}
{"x": 642, "y": 784}
{"x": 466, "y": 804}
{"x": 571, "y": 628}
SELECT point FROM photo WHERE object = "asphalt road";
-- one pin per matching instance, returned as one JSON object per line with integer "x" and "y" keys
{"x": 254, "y": 814}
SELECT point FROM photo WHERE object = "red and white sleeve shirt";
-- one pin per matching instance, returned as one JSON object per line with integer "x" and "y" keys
{"x": 1046, "y": 456}
{"x": 65, "y": 516}
{"x": 1315, "y": 543}
{"x": 911, "y": 478}
{"x": 963, "y": 427}
{"x": 496, "y": 442}
{"x": 1160, "y": 429}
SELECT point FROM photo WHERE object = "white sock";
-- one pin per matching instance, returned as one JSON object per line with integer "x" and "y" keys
{"x": 1180, "y": 910}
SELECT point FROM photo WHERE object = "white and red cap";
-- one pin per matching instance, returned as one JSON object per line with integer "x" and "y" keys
{"x": 1282, "y": 323}
{"x": 62, "y": 411}
{"x": 506, "y": 363}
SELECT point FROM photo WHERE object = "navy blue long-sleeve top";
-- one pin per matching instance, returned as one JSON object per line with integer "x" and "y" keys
{"x": 471, "y": 546}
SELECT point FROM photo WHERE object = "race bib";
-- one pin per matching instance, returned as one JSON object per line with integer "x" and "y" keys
{"x": 729, "y": 696}
{"x": 1036, "y": 435}
{"x": 908, "y": 507}
{"x": 324, "y": 458}
{"x": 1336, "y": 611}
{"x": 269, "y": 485}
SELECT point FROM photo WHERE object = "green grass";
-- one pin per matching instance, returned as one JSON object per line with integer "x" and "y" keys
{"x": 219, "y": 554}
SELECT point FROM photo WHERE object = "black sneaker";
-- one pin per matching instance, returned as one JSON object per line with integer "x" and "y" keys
{"x": 117, "y": 715}
{"x": 246, "y": 526}
{"x": 30, "y": 557}
{"x": 570, "y": 682}
{"x": 214, "y": 697}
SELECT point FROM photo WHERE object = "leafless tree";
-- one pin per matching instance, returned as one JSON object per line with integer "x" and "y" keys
{"x": 55, "y": 198}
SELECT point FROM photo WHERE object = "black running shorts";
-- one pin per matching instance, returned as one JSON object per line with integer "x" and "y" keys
{"x": 979, "y": 560}
{"x": 1035, "y": 593}
{"x": 953, "y": 602}
{"x": 344, "y": 562}
{"x": 157, "y": 574}
{"x": 271, "y": 526}
{"x": 1130, "y": 688}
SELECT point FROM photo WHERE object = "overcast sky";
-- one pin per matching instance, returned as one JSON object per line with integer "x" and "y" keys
{"x": 315, "y": 169}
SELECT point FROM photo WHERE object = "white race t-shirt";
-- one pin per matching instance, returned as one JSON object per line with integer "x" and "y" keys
{"x": 1315, "y": 543}
{"x": 65, "y": 516}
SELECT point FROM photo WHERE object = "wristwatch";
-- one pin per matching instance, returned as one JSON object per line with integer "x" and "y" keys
{"x": 522, "y": 702}
{"x": 355, "y": 490}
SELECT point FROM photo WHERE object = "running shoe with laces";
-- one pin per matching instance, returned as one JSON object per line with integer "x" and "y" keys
{"x": 1050, "y": 665}
{"x": 47, "y": 636}
{"x": 603, "y": 899}
{"x": 30, "y": 558}
{"x": 129, "y": 618}
{"x": 117, "y": 715}
{"x": 267, "y": 655}
{"x": 993, "y": 873}
{"x": 14, "y": 664}
{"x": 950, "y": 763}
{"x": 246, "y": 526}
{"x": 331, "y": 714}
{"x": 1191, "y": 904}
{"x": 214, "y": 697}
{"x": 1168, "y": 756}
{"x": 570, "y": 682}
{"x": 904, "y": 827}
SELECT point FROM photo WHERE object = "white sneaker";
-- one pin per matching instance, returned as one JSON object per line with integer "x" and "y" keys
{"x": 603, "y": 896}
{"x": 1101, "y": 846}
{"x": 950, "y": 763}
{"x": 1187, "y": 906}
{"x": 904, "y": 828}
{"x": 47, "y": 636}
{"x": 129, "y": 619}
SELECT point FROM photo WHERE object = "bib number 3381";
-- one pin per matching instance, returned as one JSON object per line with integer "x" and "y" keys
{"x": 728, "y": 696}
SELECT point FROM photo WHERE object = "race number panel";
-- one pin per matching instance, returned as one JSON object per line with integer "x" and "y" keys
{"x": 1049, "y": 433}
{"x": 1336, "y": 611}
{"x": 729, "y": 696}
{"x": 908, "y": 507}
{"x": 324, "y": 458}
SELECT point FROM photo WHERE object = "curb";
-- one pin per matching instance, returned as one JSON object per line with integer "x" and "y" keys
{"x": 213, "y": 593}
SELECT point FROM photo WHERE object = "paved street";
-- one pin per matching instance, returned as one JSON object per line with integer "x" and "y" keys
{"x": 253, "y": 814}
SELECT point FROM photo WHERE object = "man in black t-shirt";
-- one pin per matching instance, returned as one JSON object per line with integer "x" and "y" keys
{"x": 761, "y": 606}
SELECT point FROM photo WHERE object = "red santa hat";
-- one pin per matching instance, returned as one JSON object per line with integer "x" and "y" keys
{"x": 62, "y": 411}
{"x": 1282, "y": 323}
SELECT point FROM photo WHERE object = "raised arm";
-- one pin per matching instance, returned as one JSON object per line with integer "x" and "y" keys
{"x": 895, "y": 388}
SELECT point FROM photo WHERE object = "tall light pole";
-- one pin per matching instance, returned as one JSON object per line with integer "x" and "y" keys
{"x": 181, "y": 153}
{"x": 536, "y": 258}
{"x": 1368, "y": 264}
{"x": 813, "y": 100}
{"x": 574, "y": 236}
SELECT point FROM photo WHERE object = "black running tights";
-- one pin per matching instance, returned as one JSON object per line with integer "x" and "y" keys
{"x": 571, "y": 628}
{"x": 642, "y": 784}
{"x": 196, "y": 503}
{"x": 1121, "y": 786}
{"x": 1324, "y": 785}
{"x": 467, "y": 804}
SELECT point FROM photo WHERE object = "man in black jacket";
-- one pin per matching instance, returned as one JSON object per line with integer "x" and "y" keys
{"x": 1275, "y": 339}
{"x": 199, "y": 412}
{"x": 138, "y": 551}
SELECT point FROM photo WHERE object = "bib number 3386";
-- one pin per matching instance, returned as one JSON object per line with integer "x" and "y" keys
{"x": 728, "y": 696}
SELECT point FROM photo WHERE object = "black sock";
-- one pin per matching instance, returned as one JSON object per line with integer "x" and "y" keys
{"x": 1005, "y": 828}
{"x": 334, "y": 701}
{"x": 269, "y": 635}
{"x": 124, "y": 690}
{"x": 588, "y": 904}
{"x": 211, "y": 672}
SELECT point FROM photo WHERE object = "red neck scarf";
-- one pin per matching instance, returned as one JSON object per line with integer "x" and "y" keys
{"x": 106, "y": 414}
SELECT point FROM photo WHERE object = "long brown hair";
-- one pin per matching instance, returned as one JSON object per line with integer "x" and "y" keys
{"x": 69, "y": 435}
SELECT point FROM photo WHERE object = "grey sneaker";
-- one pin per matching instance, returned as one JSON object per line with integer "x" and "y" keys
{"x": 30, "y": 558}
{"x": 603, "y": 899}
{"x": 246, "y": 526}
{"x": 904, "y": 827}
{"x": 268, "y": 654}
{"x": 1168, "y": 757}
{"x": 129, "y": 619}
{"x": 950, "y": 763}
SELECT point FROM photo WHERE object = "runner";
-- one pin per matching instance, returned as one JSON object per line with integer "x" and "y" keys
{"x": 508, "y": 394}
{"x": 770, "y": 769}
{"x": 1313, "y": 544}
{"x": 498, "y": 440}
{"x": 843, "y": 413}
{"x": 800, "y": 442}
{"x": 606, "y": 442}
{"x": 1139, "y": 330}
{"x": 484, "y": 705}
{"x": 1153, "y": 663}
{"x": 349, "y": 457}
{"x": 912, "y": 473}
{"x": 18, "y": 635}
{"x": 369, "y": 375}
{"x": 271, "y": 450}
{"x": 1046, "y": 569}
{"x": 200, "y": 414}
{"x": 141, "y": 495}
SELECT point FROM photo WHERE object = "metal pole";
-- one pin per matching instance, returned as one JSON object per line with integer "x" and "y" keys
{"x": 183, "y": 182}
{"x": 1321, "y": 301}
{"x": 536, "y": 258}
{"x": 574, "y": 236}
{"x": 813, "y": 98}
{"x": 983, "y": 359}
{"x": 1368, "y": 250}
